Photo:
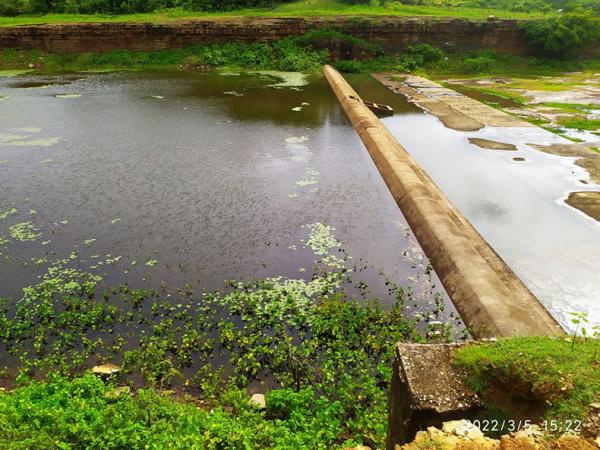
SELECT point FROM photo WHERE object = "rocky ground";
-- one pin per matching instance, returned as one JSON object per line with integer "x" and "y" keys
{"x": 464, "y": 435}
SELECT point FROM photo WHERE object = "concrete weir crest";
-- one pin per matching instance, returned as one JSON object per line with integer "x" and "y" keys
{"x": 490, "y": 297}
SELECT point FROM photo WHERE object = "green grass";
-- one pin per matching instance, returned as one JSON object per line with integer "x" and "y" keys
{"x": 568, "y": 380}
{"x": 581, "y": 123}
{"x": 303, "y": 8}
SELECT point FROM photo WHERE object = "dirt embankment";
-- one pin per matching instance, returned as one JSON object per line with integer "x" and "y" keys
{"x": 394, "y": 34}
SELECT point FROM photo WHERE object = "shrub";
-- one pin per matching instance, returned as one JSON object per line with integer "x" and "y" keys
{"x": 566, "y": 35}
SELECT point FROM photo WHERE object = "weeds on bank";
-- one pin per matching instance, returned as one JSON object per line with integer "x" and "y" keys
{"x": 554, "y": 371}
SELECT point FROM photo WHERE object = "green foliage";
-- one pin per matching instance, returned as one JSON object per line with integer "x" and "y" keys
{"x": 86, "y": 413}
{"x": 330, "y": 355}
{"x": 566, "y": 379}
{"x": 565, "y": 35}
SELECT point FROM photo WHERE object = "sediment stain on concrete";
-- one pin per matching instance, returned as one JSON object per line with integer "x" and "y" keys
{"x": 587, "y": 202}
{"x": 491, "y": 299}
{"x": 456, "y": 111}
{"x": 492, "y": 145}
{"x": 462, "y": 113}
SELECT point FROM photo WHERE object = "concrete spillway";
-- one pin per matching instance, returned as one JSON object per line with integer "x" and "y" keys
{"x": 491, "y": 299}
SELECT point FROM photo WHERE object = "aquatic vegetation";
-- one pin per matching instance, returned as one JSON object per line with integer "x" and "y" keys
{"x": 13, "y": 72}
{"x": 306, "y": 182}
{"x": 305, "y": 335}
{"x": 30, "y": 130}
{"x": 41, "y": 142}
{"x": 288, "y": 79}
{"x": 4, "y": 97}
{"x": 68, "y": 95}
{"x": 321, "y": 239}
{"x": 151, "y": 262}
{"x": 296, "y": 140}
{"x": 8, "y": 213}
{"x": 24, "y": 231}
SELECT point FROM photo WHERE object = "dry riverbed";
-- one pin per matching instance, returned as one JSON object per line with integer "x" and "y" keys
{"x": 569, "y": 106}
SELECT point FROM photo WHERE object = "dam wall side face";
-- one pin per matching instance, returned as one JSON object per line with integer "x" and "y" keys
{"x": 394, "y": 34}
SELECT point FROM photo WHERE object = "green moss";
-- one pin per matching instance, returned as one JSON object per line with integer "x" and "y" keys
{"x": 567, "y": 378}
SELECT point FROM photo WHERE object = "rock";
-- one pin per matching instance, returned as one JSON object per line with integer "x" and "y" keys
{"x": 462, "y": 428}
{"x": 597, "y": 441}
{"x": 258, "y": 400}
{"x": 531, "y": 432}
{"x": 118, "y": 392}
{"x": 106, "y": 369}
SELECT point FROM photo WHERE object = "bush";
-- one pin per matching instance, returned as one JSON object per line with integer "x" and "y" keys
{"x": 566, "y": 35}
{"x": 479, "y": 64}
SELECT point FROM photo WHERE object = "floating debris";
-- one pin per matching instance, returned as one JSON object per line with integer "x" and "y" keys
{"x": 157, "y": 97}
{"x": 234, "y": 93}
{"x": 89, "y": 241}
{"x": 115, "y": 221}
{"x": 297, "y": 109}
{"x": 151, "y": 262}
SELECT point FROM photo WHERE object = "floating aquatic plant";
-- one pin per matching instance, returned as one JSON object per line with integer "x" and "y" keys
{"x": 68, "y": 95}
{"x": 8, "y": 213}
{"x": 42, "y": 142}
{"x": 24, "y": 231}
{"x": 294, "y": 140}
{"x": 306, "y": 182}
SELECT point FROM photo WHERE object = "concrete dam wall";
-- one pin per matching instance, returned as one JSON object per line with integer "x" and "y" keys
{"x": 394, "y": 34}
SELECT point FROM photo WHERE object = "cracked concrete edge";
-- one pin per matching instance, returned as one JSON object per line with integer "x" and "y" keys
{"x": 491, "y": 299}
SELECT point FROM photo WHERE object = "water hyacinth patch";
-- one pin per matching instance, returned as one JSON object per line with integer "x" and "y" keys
{"x": 297, "y": 333}
{"x": 24, "y": 231}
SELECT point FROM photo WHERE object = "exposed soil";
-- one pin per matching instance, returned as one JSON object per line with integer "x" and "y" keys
{"x": 588, "y": 202}
{"x": 492, "y": 145}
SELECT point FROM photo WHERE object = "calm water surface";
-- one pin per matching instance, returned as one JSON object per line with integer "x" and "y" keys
{"x": 193, "y": 178}
{"x": 198, "y": 178}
